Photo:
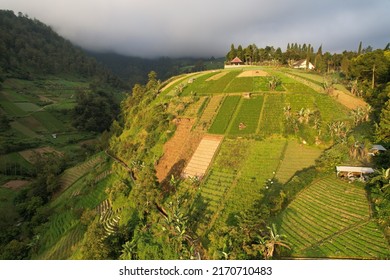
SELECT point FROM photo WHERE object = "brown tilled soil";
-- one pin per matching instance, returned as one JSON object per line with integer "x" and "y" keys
{"x": 253, "y": 73}
{"x": 15, "y": 184}
{"x": 349, "y": 101}
{"x": 178, "y": 150}
{"x": 29, "y": 155}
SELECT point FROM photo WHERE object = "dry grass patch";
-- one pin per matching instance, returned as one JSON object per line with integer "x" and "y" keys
{"x": 253, "y": 73}
{"x": 30, "y": 155}
{"x": 349, "y": 101}
{"x": 174, "y": 148}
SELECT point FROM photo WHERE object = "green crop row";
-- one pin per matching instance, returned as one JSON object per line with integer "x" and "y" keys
{"x": 224, "y": 115}
{"x": 248, "y": 116}
{"x": 272, "y": 116}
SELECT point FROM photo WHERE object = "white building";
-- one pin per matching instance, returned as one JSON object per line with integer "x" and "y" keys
{"x": 301, "y": 64}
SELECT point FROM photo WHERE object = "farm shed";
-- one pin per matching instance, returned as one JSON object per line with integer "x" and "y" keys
{"x": 353, "y": 171}
{"x": 301, "y": 64}
{"x": 376, "y": 149}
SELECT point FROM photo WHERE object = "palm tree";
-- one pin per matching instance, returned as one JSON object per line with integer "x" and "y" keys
{"x": 274, "y": 82}
{"x": 273, "y": 242}
{"x": 129, "y": 250}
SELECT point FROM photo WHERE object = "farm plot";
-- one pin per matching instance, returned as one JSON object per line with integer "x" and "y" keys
{"x": 296, "y": 157}
{"x": 173, "y": 148}
{"x": 210, "y": 111}
{"x": 330, "y": 109}
{"x": 30, "y": 155}
{"x": 26, "y": 131}
{"x": 244, "y": 84}
{"x": 218, "y": 86}
{"x": 72, "y": 174}
{"x": 258, "y": 165}
{"x": 365, "y": 241}
{"x": 246, "y": 121}
{"x": 213, "y": 192}
{"x": 27, "y": 106}
{"x": 202, "y": 157}
{"x": 271, "y": 121}
{"x": 327, "y": 208}
{"x": 49, "y": 121}
{"x": 298, "y": 101}
{"x": 224, "y": 115}
{"x": 198, "y": 84}
{"x": 10, "y": 108}
{"x": 193, "y": 108}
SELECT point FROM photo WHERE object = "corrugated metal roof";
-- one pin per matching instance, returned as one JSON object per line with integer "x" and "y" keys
{"x": 354, "y": 169}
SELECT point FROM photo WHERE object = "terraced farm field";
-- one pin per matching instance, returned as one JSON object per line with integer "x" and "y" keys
{"x": 224, "y": 115}
{"x": 271, "y": 121}
{"x": 71, "y": 175}
{"x": 327, "y": 212}
{"x": 210, "y": 111}
{"x": 259, "y": 165}
{"x": 296, "y": 157}
{"x": 248, "y": 115}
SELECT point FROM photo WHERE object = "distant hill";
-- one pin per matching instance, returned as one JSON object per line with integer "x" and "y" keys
{"x": 29, "y": 48}
{"x": 135, "y": 69}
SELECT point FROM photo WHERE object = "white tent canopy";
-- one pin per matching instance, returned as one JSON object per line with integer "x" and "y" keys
{"x": 354, "y": 169}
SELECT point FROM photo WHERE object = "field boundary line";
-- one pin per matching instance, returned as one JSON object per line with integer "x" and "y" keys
{"x": 261, "y": 114}
{"x": 338, "y": 233}
{"x": 234, "y": 115}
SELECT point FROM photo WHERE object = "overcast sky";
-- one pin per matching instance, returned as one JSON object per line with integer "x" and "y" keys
{"x": 152, "y": 28}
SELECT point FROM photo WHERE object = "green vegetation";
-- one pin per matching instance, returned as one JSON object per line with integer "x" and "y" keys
{"x": 325, "y": 219}
{"x": 88, "y": 189}
{"x": 247, "y": 118}
{"x": 222, "y": 119}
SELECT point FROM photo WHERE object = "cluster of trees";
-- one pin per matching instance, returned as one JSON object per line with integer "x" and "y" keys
{"x": 94, "y": 111}
{"x": 28, "y": 47}
{"x": 323, "y": 61}
{"x": 20, "y": 235}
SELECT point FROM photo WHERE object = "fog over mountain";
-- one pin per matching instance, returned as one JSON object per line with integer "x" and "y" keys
{"x": 178, "y": 28}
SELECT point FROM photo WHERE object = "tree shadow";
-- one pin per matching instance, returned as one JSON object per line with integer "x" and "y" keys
{"x": 175, "y": 171}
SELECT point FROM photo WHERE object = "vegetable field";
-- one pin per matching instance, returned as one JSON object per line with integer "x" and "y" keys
{"x": 248, "y": 116}
{"x": 296, "y": 157}
{"x": 224, "y": 115}
{"x": 271, "y": 121}
{"x": 327, "y": 212}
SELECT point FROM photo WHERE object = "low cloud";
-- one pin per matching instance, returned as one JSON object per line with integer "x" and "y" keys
{"x": 152, "y": 28}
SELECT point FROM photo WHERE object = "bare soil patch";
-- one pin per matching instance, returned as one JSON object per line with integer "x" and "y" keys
{"x": 29, "y": 155}
{"x": 178, "y": 150}
{"x": 217, "y": 76}
{"x": 349, "y": 101}
{"x": 15, "y": 184}
{"x": 253, "y": 73}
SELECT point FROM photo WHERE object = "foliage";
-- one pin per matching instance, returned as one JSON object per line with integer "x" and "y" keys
{"x": 94, "y": 112}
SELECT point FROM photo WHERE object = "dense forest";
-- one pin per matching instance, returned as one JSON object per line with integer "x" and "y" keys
{"x": 29, "y": 48}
